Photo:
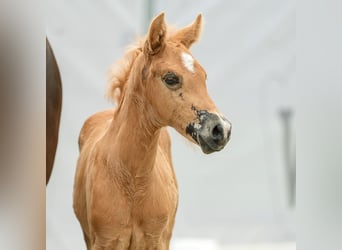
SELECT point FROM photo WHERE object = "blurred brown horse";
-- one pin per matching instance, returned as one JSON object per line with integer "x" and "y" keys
{"x": 53, "y": 108}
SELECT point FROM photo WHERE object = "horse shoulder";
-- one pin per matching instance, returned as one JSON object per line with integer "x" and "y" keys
{"x": 94, "y": 125}
{"x": 90, "y": 133}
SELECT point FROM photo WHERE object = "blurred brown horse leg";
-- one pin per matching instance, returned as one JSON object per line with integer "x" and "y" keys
{"x": 53, "y": 108}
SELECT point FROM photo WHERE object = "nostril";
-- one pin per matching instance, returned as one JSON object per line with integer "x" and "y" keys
{"x": 217, "y": 132}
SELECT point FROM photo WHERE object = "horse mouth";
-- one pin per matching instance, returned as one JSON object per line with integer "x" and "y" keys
{"x": 206, "y": 146}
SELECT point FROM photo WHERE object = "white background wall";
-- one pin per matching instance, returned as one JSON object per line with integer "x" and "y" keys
{"x": 238, "y": 195}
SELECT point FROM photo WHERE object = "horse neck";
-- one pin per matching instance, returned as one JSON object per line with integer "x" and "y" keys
{"x": 133, "y": 133}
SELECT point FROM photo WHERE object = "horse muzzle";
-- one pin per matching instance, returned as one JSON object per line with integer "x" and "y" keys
{"x": 212, "y": 131}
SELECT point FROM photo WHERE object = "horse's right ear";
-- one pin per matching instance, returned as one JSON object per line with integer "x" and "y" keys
{"x": 156, "y": 35}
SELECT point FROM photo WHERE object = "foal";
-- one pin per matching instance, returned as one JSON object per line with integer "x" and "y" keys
{"x": 125, "y": 191}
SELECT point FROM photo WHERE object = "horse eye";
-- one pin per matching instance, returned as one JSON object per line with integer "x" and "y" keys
{"x": 171, "y": 79}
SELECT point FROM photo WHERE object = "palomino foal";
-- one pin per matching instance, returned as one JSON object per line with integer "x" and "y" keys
{"x": 125, "y": 192}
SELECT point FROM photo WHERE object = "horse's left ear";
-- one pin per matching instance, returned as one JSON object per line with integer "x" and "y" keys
{"x": 156, "y": 35}
{"x": 190, "y": 34}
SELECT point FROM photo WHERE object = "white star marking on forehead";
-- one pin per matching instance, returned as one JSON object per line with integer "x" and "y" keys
{"x": 188, "y": 62}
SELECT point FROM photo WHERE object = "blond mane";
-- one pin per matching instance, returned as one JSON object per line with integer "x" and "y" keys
{"x": 120, "y": 71}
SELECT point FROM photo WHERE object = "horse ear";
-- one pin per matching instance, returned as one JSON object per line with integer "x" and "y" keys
{"x": 190, "y": 34}
{"x": 156, "y": 35}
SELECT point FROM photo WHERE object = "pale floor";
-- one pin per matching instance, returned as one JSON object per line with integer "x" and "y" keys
{"x": 209, "y": 244}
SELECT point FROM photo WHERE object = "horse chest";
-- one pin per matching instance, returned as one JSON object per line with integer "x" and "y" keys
{"x": 149, "y": 219}
{"x": 153, "y": 220}
{"x": 157, "y": 202}
{"x": 153, "y": 213}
